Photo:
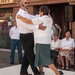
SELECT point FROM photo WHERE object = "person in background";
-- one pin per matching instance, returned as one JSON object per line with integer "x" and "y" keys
{"x": 55, "y": 47}
{"x": 55, "y": 42}
{"x": 56, "y": 28}
{"x": 67, "y": 50}
{"x": 15, "y": 41}
{"x": 52, "y": 32}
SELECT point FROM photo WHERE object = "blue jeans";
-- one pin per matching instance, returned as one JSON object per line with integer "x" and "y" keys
{"x": 15, "y": 43}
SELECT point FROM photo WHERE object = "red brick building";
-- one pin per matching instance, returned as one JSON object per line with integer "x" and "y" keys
{"x": 9, "y": 8}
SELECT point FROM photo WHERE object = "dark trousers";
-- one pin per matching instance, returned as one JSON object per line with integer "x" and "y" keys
{"x": 27, "y": 41}
{"x": 15, "y": 43}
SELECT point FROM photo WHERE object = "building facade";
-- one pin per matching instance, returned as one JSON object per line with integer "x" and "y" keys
{"x": 9, "y": 8}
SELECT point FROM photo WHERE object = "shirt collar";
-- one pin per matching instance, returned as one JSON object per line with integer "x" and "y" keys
{"x": 15, "y": 27}
{"x": 57, "y": 40}
{"x": 66, "y": 39}
{"x": 22, "y": 10}
{"x": 45, "y": 16}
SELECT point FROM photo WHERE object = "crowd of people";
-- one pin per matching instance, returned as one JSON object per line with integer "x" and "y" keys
{"x": 46, "y": 33}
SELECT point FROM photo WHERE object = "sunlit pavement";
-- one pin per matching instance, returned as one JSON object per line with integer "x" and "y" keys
{"x": 7, "y": 69}
{"x": 15, "y": 70}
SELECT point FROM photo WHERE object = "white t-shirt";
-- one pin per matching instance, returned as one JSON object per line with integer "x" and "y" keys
{"x": 14, "y": 34}
{"x": 40, "y": 36}
{"x": 67, "y": 44}
{"x": 55, "y": 44}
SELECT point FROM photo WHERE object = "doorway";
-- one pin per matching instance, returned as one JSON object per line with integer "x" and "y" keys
{"x": 6, "y": 22}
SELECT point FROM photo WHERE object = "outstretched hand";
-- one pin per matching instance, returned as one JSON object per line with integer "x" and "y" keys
{"x": 42, "y": 27}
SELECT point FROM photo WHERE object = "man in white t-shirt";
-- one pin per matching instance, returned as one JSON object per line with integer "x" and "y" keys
{"x": 15, "y": 41}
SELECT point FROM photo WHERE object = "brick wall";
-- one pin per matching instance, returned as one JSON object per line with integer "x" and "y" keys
{"x": 48, "y": 2}
{"x": 15, "y": 10}
{"x": 73, "y": 30}
{"x": 56, "y": 6}
{"x": 30, "y": 9}
{"x": 16, "y": 0}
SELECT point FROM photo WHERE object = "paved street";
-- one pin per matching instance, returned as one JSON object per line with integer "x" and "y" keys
{"x": 5, "y": 58}
{"x": 7, "y": 69}
{"x": 15, "y": 70}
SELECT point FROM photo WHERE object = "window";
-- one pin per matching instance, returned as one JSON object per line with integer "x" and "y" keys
{"x": 6, "y": 21}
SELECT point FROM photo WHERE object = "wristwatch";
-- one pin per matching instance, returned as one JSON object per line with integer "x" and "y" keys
{"x": 19, "y": 16}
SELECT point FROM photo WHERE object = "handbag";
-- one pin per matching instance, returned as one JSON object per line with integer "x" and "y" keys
{"x": 53, "y": 54}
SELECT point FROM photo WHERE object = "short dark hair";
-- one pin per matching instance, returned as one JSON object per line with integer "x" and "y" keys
{"x": 44, "y": 9}
{"x": 68, "y": 31}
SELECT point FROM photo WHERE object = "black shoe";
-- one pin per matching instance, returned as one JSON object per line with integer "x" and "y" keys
{"x": 11, "y": 63}
{"x": 20, "y": 62}
{"x": 61, "y": 73}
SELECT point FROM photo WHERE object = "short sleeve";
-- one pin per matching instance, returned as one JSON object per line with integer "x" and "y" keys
{"x": 37, "y": 21}
{"x": 57, "y": 26}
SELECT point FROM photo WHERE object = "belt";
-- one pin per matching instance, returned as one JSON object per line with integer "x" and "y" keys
{"x": 26, "y": 34}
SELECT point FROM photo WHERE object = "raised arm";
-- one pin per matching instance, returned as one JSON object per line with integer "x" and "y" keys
{"x": 50, "y": 16}
{"x": 28, "y": 21}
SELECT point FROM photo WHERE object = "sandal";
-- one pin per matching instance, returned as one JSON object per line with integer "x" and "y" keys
{"x": 63, "y": 68}
{"x": 67, "y": 67}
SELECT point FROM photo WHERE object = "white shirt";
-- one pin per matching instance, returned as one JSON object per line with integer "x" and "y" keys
{"x": 55, "y": 44}
{"x": 14, "y": 34}
{"x": 23, "y": 27}
{"x": 67, "y": 44}
{"x": 40, "y": 36}
{"x": 52, "y": 32}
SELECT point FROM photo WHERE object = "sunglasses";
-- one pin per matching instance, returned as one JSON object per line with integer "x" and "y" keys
{"x": 26, "y": 2}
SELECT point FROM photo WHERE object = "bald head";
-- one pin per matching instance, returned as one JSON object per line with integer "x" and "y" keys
{"x": 21, "y": 1}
